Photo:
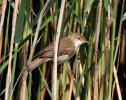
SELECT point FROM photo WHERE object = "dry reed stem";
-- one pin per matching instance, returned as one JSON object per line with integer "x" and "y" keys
{"x": 81, "y": 70}
{"x": 8, "y": 77}
{"x": 117, "y": 84}
{"x": 97, "y": 31}
{"x": 54, "y": 70}
{"x": 1, "y": 42}
{"x": 71, "y": 77}
{"x": 107, "y": 41}
{"x": 71, "y": 88}
{"x": 89, "y": 94}
{"x": 2, "y": 15}
{"x": 4, "y": 3}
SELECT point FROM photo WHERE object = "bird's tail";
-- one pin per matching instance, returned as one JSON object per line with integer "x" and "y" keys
{"x": 32, "y": 65}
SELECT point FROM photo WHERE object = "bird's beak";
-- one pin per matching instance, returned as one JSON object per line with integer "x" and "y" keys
{"x": 86, "y": 42}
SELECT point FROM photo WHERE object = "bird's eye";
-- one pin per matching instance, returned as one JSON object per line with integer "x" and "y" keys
{"x": 79, "y": 38}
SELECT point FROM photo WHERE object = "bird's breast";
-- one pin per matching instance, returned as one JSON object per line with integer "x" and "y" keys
{"x": 64, "y": 58}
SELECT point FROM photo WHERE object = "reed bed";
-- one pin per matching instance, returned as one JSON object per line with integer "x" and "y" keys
{"x": 96, "y": 72}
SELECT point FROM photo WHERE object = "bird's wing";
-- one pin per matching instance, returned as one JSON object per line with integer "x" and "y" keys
{"x": 49, "y": 51}
{"x": 65, "y": 51}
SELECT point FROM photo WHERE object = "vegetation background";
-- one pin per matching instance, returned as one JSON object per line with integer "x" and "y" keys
{"x": 98, "y": 72}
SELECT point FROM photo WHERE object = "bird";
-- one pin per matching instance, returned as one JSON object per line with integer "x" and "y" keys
{"x": 67, "y": 47}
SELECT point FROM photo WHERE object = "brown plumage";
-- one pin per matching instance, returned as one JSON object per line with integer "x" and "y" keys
{"x": 66, "y": 49}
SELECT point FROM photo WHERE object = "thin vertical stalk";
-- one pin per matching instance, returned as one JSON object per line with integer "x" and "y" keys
{"x": 54, "y": 70}
{"x": 102, "y": 59}
{"x": 97, "y": 32}
{"x": 87, "y": 67}
{"x": 117, "y": 84}
{"x": 5, "y": 42}
{"x": 111, "y": 64}
{"x": 4, "y": 3}
{"x": 13, "y": 71}
{"x": 6, "y": 34}
{"x": 86, "y": 71}
{"x": 77, "y": 11}
{"x": 117, "y": 47}
{"x": 8, "y": 77}
{"x": 119, "y": 32}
